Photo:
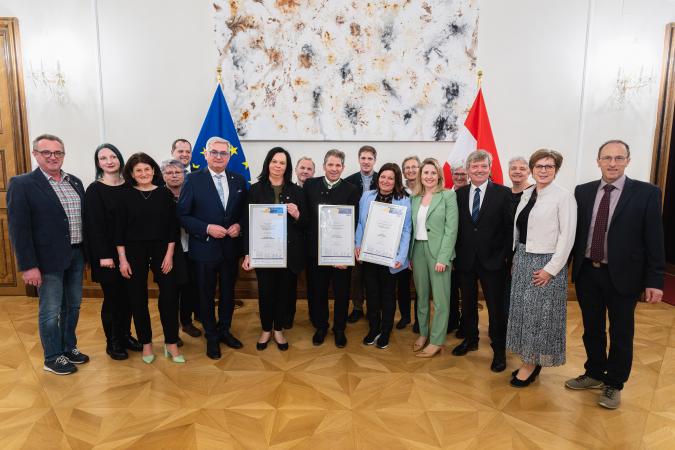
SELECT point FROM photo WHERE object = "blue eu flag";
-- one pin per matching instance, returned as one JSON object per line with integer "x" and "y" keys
{"x": 218, "y": 122}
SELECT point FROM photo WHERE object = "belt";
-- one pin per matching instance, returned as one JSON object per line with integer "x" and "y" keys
{"x": 78, "y": 245}
{"x": 596, "y": 264}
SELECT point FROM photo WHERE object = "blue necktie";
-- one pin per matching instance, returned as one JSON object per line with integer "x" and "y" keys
{"x": 476, "y": 205}
{"x": 219, "y": 188}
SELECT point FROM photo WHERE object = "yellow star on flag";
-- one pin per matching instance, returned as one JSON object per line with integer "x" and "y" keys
{"x": 203, "y": 152}
{"x": 245, "y": 164}
{"x": 233, "y": 150}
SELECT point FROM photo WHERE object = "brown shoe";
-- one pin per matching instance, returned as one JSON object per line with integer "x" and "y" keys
{"x": 191, "y": 330}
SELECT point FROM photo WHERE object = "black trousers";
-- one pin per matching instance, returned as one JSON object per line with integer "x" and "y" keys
{"x": 115, "y": 310}
{"x": 187, "y": 296}
{"x": 492, "y": 282}
{"x": 380, "y": 292}
{"x": 403, "y": 292}
{"x": 273, "y": 297}
{"x": 141, "y": 256}
{"x": 598, "y": 298}
{"x": 325, "y": 276}
{"x": 455, "y": 317}
{"x": 206, "y": 276}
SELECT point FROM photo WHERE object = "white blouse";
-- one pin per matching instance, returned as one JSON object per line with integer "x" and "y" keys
{"x": 421, "y": 224}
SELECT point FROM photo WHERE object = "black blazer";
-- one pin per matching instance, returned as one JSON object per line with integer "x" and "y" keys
{"x": 635, "y": 250}
{"x": 491, "y": 239}
{"x": 38, "y": 225}
{"x": 262, "y": 192}
{"x": 316, "y": 193}
{"x": 199, "y": 205}
{"x": 357, "y": 181}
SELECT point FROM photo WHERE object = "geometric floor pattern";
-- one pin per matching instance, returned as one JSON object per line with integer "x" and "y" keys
{"x": 323, "y": 397}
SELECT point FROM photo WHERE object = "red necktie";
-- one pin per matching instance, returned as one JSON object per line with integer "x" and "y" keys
{"x": 600, "y": 227}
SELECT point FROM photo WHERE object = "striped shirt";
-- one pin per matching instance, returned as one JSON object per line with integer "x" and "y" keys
{"x": 72, "y": 205}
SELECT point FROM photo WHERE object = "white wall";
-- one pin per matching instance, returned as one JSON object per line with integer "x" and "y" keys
{"x": 550, "y": 69}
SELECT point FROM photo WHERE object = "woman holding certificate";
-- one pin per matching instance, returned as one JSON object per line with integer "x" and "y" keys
{"x": 274, "y": 187}
{"x": 392, "y": 225}
{"x": 434, "y": 231}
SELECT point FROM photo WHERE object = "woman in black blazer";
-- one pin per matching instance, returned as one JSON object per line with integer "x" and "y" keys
{"x": 275, "y": 186}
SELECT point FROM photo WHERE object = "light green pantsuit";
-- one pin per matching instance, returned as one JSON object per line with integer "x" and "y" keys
{"x": 426, "y": 277}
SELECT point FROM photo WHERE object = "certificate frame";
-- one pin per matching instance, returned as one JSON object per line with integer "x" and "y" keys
{"x": 336, "y": 235}
{"x": 267, "y": 236}
{"x": 377, "y": 245}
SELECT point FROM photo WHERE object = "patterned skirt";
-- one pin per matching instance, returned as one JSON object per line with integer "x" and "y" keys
{"x": 537, "y": 315}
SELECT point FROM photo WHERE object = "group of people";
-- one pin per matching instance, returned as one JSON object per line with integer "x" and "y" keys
{"x": 190, "y": 229}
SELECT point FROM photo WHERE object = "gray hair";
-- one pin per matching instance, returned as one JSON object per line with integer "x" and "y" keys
{"x": 305, "y": 158}
{"x": 411, "y": 158}
{"x": 171, "y": 162}
{"x": 478, "y": 155}
{"x": 216, "y": 140}
{"x": 454, "y": 167}
{"x": 517, "y": 159}
{"x": 46, "y": 137}
{"x": 335, "y": 152}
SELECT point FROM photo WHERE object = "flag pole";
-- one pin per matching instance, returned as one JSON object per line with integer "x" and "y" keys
{"x": 480, "y": 78}
{"x": 219, "y": 75}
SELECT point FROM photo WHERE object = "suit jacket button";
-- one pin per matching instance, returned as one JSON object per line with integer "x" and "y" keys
{"x": 428, "y": 230}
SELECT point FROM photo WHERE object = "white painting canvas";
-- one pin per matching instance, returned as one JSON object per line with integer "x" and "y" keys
{"x": 377, "y": 70}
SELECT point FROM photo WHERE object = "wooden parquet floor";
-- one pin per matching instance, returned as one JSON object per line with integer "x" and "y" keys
{"x": 323, "y": 397}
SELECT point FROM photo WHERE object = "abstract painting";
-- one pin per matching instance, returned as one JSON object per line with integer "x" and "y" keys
{"x": 362, "y": 70}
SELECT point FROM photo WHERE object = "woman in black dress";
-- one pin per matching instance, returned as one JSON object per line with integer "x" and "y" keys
{"x": 275, "y": 186}
{"x": 146, "y": 235}
{"x": 100, "y": 202}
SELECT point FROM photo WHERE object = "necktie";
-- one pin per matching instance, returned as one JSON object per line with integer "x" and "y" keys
{"x": 476, "y": 205}
{"x": 600, "y": 227}
{"x": 219, "y": 188}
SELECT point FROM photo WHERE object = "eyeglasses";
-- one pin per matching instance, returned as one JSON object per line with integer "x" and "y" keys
{"x": 216, "y": 154}
{"x": 544, "y": 166}
{"x": 617, "y": 159}
{"x": 173, "y": 173}
{"x": 46, "y": 153}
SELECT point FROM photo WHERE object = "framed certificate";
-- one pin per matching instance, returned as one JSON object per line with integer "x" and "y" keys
{"x": 336, "y": 235}
{"x": 382, "y": 234}
{"x": 267, "y": 235}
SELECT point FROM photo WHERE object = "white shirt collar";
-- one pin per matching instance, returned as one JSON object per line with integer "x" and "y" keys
{"x": 213, "y": 174}
{"x": 482, "y": 187}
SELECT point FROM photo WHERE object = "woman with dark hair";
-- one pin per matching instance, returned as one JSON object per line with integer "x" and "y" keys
{"x": 100, "y": 203}
{"x": 275, "y": 186}
{"x": 146, "y": 233}
{"x": 381, "y": 280}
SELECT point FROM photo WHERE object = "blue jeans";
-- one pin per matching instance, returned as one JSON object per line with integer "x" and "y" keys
{"x": 60, "y": 297}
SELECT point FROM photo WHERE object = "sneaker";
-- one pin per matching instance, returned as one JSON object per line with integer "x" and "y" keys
{"x": 371, "y": 337}
{"x": 60, "y": 366}
{"x": 583, "y": 382}
{"x": 76, "y": 357}
{"x": 610, "y": 398}
{"x": 382, "y": 341}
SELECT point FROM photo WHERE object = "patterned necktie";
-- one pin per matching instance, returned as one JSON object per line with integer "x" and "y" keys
{"x": 476, "y": 205}
{"x": 600, "y": 227}
{"x": 219, "y": 188}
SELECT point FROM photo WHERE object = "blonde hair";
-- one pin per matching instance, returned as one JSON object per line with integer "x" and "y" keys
{"x": 440, "y": 185}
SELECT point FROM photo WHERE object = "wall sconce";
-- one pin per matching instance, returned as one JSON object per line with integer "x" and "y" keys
{"x": 53, "y": 81}
{"x": 628, "y": 86}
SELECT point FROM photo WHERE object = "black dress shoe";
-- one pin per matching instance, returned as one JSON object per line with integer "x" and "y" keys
{"x": 403, "y": 323}
{"x": 416, "y": 328}
{"x": 515, "y": 382}
{"x": 116, "y": 351}
{"x": 355, "y": 316}
{"x": 262, "y": 345}
{"x": 498, "y": 362}
{"x": 282, "y": 346}
{"x": 465, "y": 347}
{"x": 191, "y": 330}
{"x": 340, "y": 339}
{"x": 459, "y": 334}
{"x": 213, "y": 349}
{"x": 319, "y": 336}
{"x": 230, "y": 341}
{"x": 131, "y": 343}
{"x": 179, "y": 342}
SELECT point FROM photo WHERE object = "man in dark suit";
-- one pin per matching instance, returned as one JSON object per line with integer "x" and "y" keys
{"x": 365, "y": 180}
{"x": 211, "y": 207}
{"x": 618, "y": 254}
{"x": 45, "y": 227}
{"x": 483, "y": 243}
{"x": 329, "y": 190}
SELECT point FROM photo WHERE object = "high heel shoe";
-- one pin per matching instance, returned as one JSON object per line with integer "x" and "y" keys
{"x": 148, "y": 359}
{"x": 430, "y": 354}
{"x": 281, "y": 346}
{"x": 417, "y": 347}
{"x": 260, "y": 346}
{"x": 515, "y": 382}
{"x": 180, "y": 359}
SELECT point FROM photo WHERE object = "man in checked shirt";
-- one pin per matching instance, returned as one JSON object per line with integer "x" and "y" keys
{"x": 45, "y": 228}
